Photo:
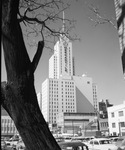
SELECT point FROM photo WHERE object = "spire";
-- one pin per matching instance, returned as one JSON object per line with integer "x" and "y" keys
{"x": 63, "y": 27}
{"x": 63, "y": 30}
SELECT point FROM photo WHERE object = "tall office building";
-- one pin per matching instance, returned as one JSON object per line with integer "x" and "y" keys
{"x": 58, "y": 91}
{"x": 61, "y": 62}
{"x": 63, "y": 91}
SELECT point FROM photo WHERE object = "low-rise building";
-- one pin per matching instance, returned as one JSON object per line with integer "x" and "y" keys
{"x": 104, "y": 127}
{"x": 7, "y": 125}
{"x": 116, "y": 119}
{"x": 77, "y": 123}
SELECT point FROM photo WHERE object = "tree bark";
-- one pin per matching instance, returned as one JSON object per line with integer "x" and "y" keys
{"x": 18, "y": 93}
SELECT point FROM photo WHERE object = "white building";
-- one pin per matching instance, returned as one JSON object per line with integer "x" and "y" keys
{"x": 62, "y": 91}
{"x": 116, "y": 119}
{"x": 39, "y": 98}
{"x": 58, "y": 96}
{"x": 61, "y": 62}
{"x": 8, "y": 127}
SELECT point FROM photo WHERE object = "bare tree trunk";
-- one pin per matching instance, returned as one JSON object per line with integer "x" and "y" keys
{"x": 18, "y": 94}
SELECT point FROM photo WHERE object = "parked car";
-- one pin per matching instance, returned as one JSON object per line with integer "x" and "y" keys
{"x": 11, "y": 142}
{"x": 114, "y": 139}
{"x": 101, "y": 144}
{"x": 59, "y": 139}
{"x": 73, "y": 146}
{"x": 78, "y": 139}
{"x": 67, "y": 139}
{"x": 20, "y": 145}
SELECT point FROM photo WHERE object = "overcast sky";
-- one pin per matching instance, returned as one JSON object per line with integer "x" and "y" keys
{"x": 97, "y": 54}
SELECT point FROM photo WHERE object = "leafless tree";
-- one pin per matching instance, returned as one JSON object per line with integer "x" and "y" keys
{"x": 20, "y": 19}
{"x": 118, "y": 23}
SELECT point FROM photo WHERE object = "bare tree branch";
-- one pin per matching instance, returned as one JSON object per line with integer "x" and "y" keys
{"x": 99, "y": 19}
{"x": 34, "y": 12}
{"x": 37, "y": 55}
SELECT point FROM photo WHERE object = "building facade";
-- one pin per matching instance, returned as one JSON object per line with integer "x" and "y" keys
{"x": 76, "y": 123}
{"x": 104, "y": 127}
{"x": 84, "y": 93}
{"x": 61, "y": 62}
{"x": 58, "y": 96}
{"x": 116, "y": 119}
{"x": 7, "y": 125}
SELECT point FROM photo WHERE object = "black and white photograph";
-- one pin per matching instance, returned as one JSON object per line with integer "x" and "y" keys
{"x": 62, "y": 74}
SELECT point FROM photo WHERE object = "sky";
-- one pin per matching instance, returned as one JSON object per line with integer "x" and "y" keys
{"x": 97, "y": 54}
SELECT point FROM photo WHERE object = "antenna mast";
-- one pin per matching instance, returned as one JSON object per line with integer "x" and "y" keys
{"x": 63, "y": 27}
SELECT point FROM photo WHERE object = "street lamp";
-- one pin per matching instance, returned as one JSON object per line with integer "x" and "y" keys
{"x": 98, "y": 133}
{"x": 97, "y": 120}
{"x": 98, "y": 125}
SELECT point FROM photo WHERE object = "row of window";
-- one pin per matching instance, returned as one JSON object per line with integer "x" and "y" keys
{"x": 71, "y": 103}
{"x": 121, "y": 124}
{"x": 67, "y": 95}
{"x": 6, "y": 121}
{"x": 66, "y": 92}
{"x": 69, "y": 99}
{"x": 55, "y": 105}
{"x": 70, "y": 110}
{"x": 68, "y": 104}
{"x": 56, "y": 82}
{"x": 51, "y": 86}
{"x": 120, "y": 113}
{"x": 7, "y": 129}
{"x": 104, "y": 124}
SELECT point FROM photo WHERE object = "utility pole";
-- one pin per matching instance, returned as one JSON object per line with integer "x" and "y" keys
{"x": 119, "y": 128}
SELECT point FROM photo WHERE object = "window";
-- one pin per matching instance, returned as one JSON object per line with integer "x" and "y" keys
{"x": 120, "y": 113}
{"x": 104, "y": 141}
{"x": 91, "y": 142}
{"x": 113, "y": 125}
{"x": 122, "y": 124}
{"x": 112, "y": 115}
{"x": 96, "y": 143}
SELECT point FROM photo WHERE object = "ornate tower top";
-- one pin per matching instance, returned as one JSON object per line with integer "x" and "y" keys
{"x": 63, "y": 19}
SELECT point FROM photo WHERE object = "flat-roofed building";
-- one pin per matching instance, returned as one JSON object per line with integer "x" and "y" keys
{"x": 7, "y": 125}
{"x": 76, "y": 123}
{"x": 104, "y": 127}
{"x": 116, "y": 119}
